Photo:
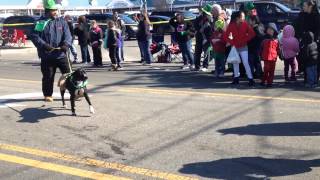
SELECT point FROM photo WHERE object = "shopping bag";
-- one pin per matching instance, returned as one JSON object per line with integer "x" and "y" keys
{"x": 233, "y": 57}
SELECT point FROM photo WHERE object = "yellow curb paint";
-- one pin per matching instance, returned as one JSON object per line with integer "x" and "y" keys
{"x": 209, "y": 94}
{"x": 93, "y": 162}
{"x": 58, "y": 168}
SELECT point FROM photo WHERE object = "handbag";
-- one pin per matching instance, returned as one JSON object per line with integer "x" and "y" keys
{"x": 233, "y": 57}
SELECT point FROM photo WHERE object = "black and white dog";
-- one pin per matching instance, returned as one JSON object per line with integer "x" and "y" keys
{"x": 76, "y": 84}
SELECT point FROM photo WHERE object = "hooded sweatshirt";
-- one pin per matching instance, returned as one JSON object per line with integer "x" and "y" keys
{"x": 310, "y": 49}
{"x": 290, "y": 44}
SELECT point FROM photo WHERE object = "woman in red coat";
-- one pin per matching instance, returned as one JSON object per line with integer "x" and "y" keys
{"x": 238, "y": 34}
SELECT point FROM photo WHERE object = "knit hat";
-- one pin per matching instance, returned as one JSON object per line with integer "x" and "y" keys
{"x": 207, "y": 9}
{"x": 219, "y": 24}
{"x": 273, "y": 26}
{"x": 51, "y": 4}
{"x": 249, "y": 6}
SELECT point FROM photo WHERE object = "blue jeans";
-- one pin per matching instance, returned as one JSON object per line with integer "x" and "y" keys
{"x": 312, "y": 75}
{"x": 145, "y": 48}
{"x": 187, "y": 54}
{"x": 73, "y": 51}
{"x": 85, "y": 53}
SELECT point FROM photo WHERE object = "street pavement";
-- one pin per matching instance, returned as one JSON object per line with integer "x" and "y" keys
{"x": 157, "y": 122}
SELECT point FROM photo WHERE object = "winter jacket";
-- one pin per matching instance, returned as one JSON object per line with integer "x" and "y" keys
{"x": 289, "y": 44}
{"x": 55, "y": 34}
{"x": 307, "y": 22}
{"x": 183, "y": 31}
{"x": 113, "y": 38}
{"x": 269, "y": 49}
{"x": 310, "y": 49}
{"x": 82, "y": 31}
{"x": 96, "y": 36}
{"x": 143, "y": 33}
{"x": 254, "y": 44}
{"x": 241, "y": 34}
{"x": 219, "y": 46}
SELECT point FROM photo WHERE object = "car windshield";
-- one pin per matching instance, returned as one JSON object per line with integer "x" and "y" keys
{"x": 283, "y": 7}
{"x": 188, "y": 14}
{"x": 127, "y": 19}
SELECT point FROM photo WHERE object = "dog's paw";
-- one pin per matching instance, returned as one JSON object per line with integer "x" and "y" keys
{"x": 91, "y": 109}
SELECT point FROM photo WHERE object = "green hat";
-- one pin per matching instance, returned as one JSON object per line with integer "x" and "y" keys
{"x": 50, "y": 4}
{"x": 219, "y": 24}
{"x": 249, "y": 6}
{"x": 207, "y": 9}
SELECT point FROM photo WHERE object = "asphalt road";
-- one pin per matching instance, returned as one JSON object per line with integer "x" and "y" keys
{"x": 155, "y": 122}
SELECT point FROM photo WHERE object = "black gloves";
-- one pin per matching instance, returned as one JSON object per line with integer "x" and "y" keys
{"x": 48, "y": 47}
{"x": 64, "y": 48}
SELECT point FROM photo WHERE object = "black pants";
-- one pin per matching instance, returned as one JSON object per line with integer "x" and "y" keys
{"x": 97, "y": 56}
{"x": 85, "y": 53}
{"x": 198, "y": 51}
{"x": 48, "y": 69}
{"x": 114, "y": 55}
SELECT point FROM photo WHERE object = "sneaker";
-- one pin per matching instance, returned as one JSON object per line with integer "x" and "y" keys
{"x": 263, "y": 84}
{"x": 235, "y": 81}
{"x": 146, "y": 64}
{"x": 185, "y": 67}
{"x": 221, "y": 76}
{"x": 251, "y": 82}
{"x": 192, "y": 67}
{"x": 269, "y": 86}
{"x": 204, "y": 70}
{"x": 48, "y": 99}
{"x": 113, "y": 67}
{"x": 293, "y": 79}
{"x": 119, "y": 67}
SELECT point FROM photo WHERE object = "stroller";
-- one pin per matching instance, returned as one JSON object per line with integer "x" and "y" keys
{"x": 161, "y": 52}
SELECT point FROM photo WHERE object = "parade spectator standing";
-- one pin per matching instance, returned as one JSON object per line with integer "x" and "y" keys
{"x": 290, "y": 49}
{"x": 82, "y": 31}
{"x": 269, "y": 54}
{"x": 310, "y": 53}
{"x": 254, "y": 44}
{"x": 119, "y": 23}
{"x": 52, "y": 38}
{"x": 144, "y": 37}
{"x": 184, "y": 34}
{"x": 113, "y": 42}
{"x": 219, "y": 47}
{"x": 238, "y": 34}
{"x": 204, "y": 16}
{"x": 308, "y": 20}
{"x": 72, "y": 48}
{"x": 96, "y": 37}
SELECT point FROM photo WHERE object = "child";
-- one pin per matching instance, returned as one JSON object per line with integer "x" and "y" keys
{"x": 113, "y": 46}
{"x": 219, "y": 46}
{"x": 269, "y": 54}
{"x": 310, "y": 54}
{"x": 289, "y": 49}
{"x": 96, "y": 41}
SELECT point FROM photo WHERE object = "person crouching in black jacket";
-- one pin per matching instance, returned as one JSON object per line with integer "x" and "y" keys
{"x": 310, "y": 54}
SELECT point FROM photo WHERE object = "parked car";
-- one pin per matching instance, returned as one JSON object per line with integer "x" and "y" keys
{"x": 27, "y": 29}
{"x": 275, "y": 12}
{"x": 170, "y": 14}
{"x": 131, "y": 25}
{"x": 163, "y": 27}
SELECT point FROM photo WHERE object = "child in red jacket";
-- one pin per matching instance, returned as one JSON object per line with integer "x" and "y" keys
{"x": 269, "y": 54}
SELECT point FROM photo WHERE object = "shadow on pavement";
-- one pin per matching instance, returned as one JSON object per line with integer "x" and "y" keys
{"x": 35, "y": 115}
{"x": 276, "y": 129}
{"x": 249, "y": 168}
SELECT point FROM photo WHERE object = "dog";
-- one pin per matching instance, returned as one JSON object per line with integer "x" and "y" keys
{"x": 76, "y": 84}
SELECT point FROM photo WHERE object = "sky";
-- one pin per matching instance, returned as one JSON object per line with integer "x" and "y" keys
{"x": 71, "y": 2}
